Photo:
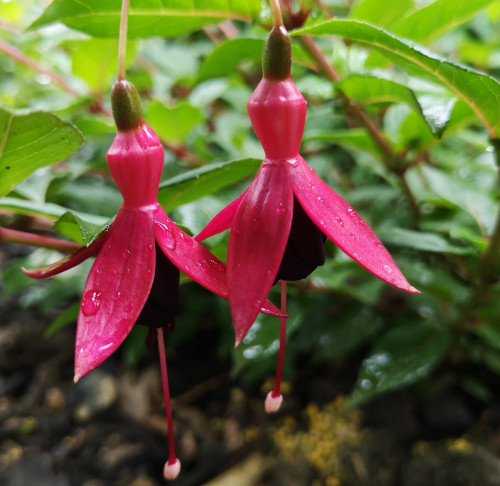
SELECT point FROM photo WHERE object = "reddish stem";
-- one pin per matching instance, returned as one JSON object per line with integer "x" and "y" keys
{"x": 281, "y": 353}
{"x": 8, "y": 235}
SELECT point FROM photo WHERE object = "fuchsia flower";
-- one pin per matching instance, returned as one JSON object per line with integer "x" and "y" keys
{"x": 136, "y": 273}
{"x": 278, "y": 226}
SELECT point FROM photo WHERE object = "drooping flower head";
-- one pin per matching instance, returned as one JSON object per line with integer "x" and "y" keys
{"x": 278, "y": 226}
{"x": 136, "y": 273}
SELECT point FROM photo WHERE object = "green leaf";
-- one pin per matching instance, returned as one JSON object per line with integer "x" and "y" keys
{"x": 436, "y": 18}
{"x": 77, "y": 229}
{"x": 354, "y": 139}
{"x": 30, "y": 141}
{"x": 203, "y": 181}
{"x": 96, "y": 60}
{"x": 46, "y": 210}
{"x": 377, "y": 12}
{"x": 173, "y": 124}
{"x": 66, "y": 317}
{"x": 401, "y": 357}
{"x": 228, "y": 55}
{"x": 490, "y": 333}
{"x": 480, "y": 91}
{"x": 365, "y": 89}
{"x": 165, "y": 18}
{"x": 423, "y": 241}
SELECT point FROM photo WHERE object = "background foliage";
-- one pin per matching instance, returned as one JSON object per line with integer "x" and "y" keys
{"x": 403, "y": 121}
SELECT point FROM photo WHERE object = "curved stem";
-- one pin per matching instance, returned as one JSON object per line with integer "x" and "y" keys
{"x": 281, "y": 354}
{"x": 8, "y": 235}
{"x": 122, "y": 41}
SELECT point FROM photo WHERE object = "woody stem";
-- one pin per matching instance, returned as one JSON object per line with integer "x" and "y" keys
{"x": 8, "y": 235}
{"x": 122, "y": 41}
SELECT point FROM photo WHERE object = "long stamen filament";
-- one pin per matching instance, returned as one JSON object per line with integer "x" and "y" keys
{"x": 172, "y": 467}
{"x": 274, "y": 398}
{"x": 122, "y": 40}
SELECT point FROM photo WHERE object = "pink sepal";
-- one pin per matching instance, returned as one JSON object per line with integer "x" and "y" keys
{"x": 342, "y": 225}
{"x": 257, "y": 242}
{"x": 117, "y": 288}
{"x": 68, "y": 261}
{"x": 222, "y": 221}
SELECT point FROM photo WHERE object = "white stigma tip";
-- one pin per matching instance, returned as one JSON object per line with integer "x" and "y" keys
{"x": 272, "y": 403}
{"x": 172, "y": 470}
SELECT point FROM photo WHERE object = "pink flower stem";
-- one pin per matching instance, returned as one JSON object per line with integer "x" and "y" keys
{"x": 281, "y": 353}
{"x": 23, "y": 238}
{"x": 172, "y": 458}
{"x": 122, "y": 41}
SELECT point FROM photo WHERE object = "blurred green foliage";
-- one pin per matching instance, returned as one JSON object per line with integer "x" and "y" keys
{"x": 405, "y": 128}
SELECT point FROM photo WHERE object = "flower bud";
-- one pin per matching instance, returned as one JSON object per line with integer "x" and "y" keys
{"x": 277, "y": 55}
{"x": 126, "y": 106}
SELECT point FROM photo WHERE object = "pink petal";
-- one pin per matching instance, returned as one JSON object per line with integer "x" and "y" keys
{"x": 257, "y": 242}
{"x": 342, "y": 225}
{"x": 68, "y": 261}
{"x": 193, "y": 259}
{"x": 221, "y": 221}
{"x": 117, "y": 288}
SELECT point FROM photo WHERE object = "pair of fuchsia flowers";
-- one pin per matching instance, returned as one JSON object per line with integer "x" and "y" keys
{"x": 278, "y": 227}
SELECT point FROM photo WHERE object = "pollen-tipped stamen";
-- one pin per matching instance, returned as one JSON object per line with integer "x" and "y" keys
{"x": 274, "y": 398}
{"x": 172, "y": 467}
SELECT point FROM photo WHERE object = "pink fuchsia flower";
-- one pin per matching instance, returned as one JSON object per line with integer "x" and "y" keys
{"x": 279, "y": 224}
{"x": 131, "y": 279}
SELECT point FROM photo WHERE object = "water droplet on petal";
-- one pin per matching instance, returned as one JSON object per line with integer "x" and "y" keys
{"x": 216, "y": 265}
{"x": 91, "y": 302}
{"x": 351, "y": 213}
{"x": 353, "y": 237}
{"x": 387, "y": 269}
{"x": 126, "y": 254}
{"x": 149, "y": 248}
{"x": 339, "y": 221}
{"x": 321, "y": 200}
{"x": 166, "y": 236}
{"x": 116, "y": 296}
{"x": 355, "y": 255}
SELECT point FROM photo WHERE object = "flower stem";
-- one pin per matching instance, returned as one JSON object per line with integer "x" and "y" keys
{"x": 23, "y": 238}
{"x": 122, "y": 41}
{"x": 173, "y": 465}
{"x": 276, "y": 11}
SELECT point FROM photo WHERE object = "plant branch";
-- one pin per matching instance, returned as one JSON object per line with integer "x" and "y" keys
{"x": 8, "y": 235}
{"x": 122, "y": 41}
{"x": 19, "y": 56}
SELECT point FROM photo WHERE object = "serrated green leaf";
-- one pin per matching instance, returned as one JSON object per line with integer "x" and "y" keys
{"x": 436, "y": 18}
{"x": 165, "y": 18}
{"x": 77, "y": 229}
{"x": 225, "y": 57}
{"x": 365, "y": 90}
{"x": 401, "y": 357}
{"x": 423, "y": 241}
{"x": 30, "y": 141}
{"x": 46, "y": 210}
{"x": 173, "y": 124}
{"x": 203, "y": 181}
{"x": 480, "y": 91}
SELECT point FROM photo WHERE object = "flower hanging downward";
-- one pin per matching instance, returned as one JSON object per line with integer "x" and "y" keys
{"x": 135, "y": 276}
{"x": 279, "y": 224}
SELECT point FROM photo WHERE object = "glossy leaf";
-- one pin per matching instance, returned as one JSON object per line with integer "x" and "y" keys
{"x": 148, "y": 18}
{"x": 173, "y": 124}
{"x": 196, "y": 183}
{"x": 376, "y": 12}
{"x": 480, "y": 91}
{"x": 78, "y": 229}
{"x": 401, "y": 357}
{"x": 30, "y": 141}
{"x": 366, "y": 90}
